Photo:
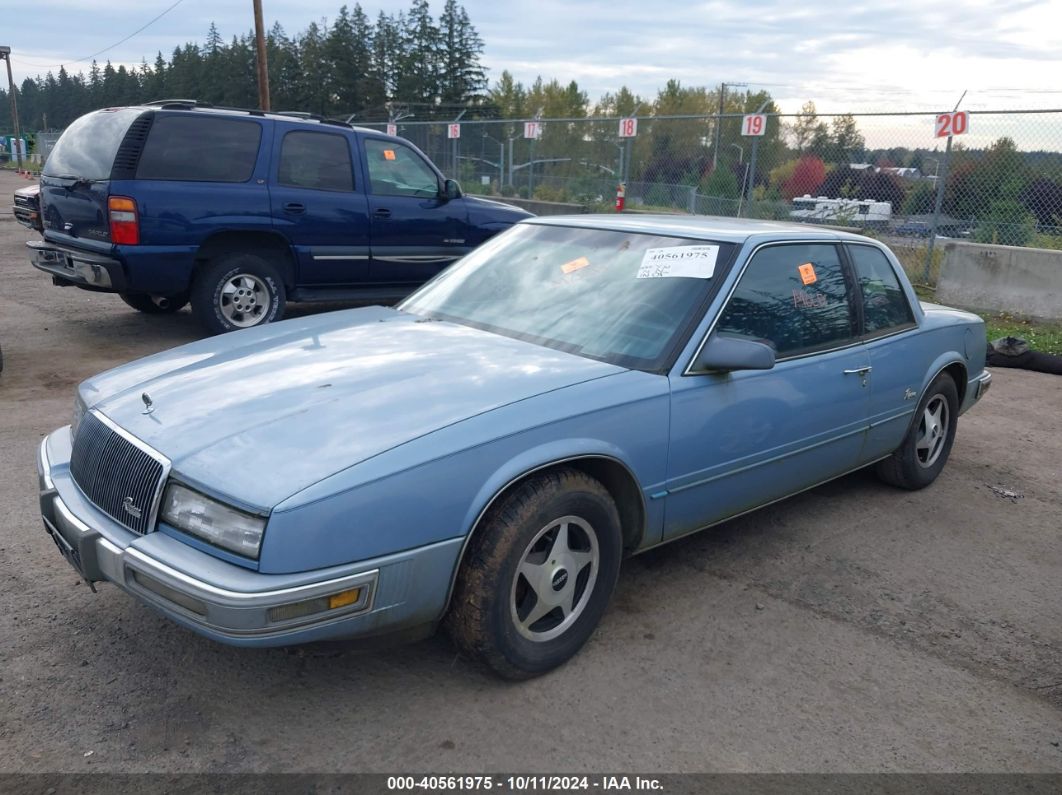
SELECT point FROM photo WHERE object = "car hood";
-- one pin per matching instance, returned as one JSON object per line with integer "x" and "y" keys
{"x": 492, "y": 206}
{"x": 259, "y": 415}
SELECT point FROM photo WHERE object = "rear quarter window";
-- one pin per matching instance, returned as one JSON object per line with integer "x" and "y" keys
{"x": 87, "y": 148}
{"x": 197, "y": 148}
{"x": 885, "y": 306}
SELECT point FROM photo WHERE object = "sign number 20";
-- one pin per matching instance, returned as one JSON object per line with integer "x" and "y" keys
{"x": 949, "y": 124}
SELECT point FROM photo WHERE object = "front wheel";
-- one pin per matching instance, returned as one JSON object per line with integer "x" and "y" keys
{"x": 155, "y": 304}
{"x": 238, "y": 291}
{"x": 538, "y": 574}
{"x": 925, "y": 449}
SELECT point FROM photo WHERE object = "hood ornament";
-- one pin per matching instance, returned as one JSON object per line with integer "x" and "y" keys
{"x": 149, "y": 404}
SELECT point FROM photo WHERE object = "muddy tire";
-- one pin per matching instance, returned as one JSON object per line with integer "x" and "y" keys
{"x": 236, "y": 291}
{"x": 538, "y": 574}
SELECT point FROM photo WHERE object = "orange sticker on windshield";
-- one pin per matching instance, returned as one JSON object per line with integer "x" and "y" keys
{"x": 574, "y": 265}
{"x": 389, "y": 154}
{"x": 807, "y": 273}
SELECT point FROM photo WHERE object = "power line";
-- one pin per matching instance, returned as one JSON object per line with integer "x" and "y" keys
{"x": 141, "y": 29}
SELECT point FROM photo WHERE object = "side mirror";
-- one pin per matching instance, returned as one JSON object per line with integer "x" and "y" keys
{"x": 451, "y": 190}
{"x": 732, "y": 353}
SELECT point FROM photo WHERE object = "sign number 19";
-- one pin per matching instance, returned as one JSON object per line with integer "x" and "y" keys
{"x": 754, "y": 124}
{"x": 949, "y": 124}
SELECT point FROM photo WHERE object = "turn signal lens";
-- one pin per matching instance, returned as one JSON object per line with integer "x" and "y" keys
{"x": 343, "y": 598}
{"x": 125, "y": 222}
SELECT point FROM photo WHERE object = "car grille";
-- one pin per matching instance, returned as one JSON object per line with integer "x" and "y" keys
{"x": 119, "y": 477}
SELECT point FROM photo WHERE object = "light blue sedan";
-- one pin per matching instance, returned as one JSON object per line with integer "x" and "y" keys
{"x": 486, "y": 453}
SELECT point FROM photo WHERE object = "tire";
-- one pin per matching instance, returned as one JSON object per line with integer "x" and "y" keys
{"x": 919, "y": 460}
{"x": 156, "y": 304}
{"x": 238, "y": 290}
{"x": 498, "y": 616}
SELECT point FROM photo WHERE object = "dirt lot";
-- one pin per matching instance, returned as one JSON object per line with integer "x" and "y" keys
{"x": 853, "y": 628}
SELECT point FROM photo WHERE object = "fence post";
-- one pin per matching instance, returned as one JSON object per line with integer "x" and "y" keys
{"x": 936, "y": 211}
{"x": 691, "y": 201}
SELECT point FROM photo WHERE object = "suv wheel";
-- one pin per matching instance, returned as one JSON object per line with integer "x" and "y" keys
{"x": 238, "y": 290}
{"x": 155, "y": 304}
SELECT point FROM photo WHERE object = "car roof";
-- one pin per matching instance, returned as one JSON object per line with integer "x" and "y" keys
{"x": 193, "y": 106}
{"x": 701, "y": 227}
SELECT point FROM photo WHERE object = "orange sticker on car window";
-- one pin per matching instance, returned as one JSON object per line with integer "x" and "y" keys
{"x": 574, "y": 265}
{"x": 389, "y": 154}
{"x": 807, "y": 273}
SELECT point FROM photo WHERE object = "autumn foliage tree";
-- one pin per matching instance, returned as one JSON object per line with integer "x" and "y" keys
{"x": 809, "y": 173}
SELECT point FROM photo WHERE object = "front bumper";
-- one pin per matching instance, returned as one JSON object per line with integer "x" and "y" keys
{"x": 230, "y": 603}
{"x": 73, "y": 266}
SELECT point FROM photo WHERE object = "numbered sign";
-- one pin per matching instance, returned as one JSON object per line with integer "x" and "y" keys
{"x": 628, "y": 128}
{"x": 453, "y": 131}
{"x": 949, "y": 124}
{"x": 754, "y": 124}
{"x": 392, "y": 129}
{"x": 532, "y": 129}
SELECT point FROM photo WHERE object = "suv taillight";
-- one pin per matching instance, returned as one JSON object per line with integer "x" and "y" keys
{"x": 125, "y": 224}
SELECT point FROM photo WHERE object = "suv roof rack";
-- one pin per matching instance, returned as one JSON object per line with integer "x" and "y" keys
{"x": 189, "y": 104}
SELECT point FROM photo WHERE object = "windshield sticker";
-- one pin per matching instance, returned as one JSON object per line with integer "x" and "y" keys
{"x": 695, "y": 262}
{"x": 574, "y": 265}
{"x": 389, "y": 154}
{"x": 807, "y": 273}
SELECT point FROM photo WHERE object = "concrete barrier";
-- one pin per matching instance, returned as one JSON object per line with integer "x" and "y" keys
{"x": 540, "y": 207}
{"x": 1020, "y": 281}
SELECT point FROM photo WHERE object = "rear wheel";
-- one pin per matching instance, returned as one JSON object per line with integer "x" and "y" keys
{"x": 155, "y": 304}
{"x": 236, "y": 291}
{"x": 925, "y": 449}
{"x": 538, "y": 574}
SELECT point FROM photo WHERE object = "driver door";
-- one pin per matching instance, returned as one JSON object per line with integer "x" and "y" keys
{"x": 415, "y": 232}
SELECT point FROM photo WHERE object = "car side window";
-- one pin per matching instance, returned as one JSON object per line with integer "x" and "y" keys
{"x": 885, "y": 306}
{"x": 396, "y": 170}
{"x": 200, "y": 149}
{"x": 319, "y": 161}
{"x": 793, "y": 297}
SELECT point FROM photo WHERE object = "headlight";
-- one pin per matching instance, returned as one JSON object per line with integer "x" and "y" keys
{"x": 212, "y": 521}
{"x": 79, "y": 413}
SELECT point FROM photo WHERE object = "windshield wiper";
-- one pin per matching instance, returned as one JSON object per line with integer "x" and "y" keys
{"x": 75, "y": 180}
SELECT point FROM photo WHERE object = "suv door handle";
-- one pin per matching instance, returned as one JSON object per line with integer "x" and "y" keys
{"x": 294, "y": 207}
{"x": 383, "y": 212}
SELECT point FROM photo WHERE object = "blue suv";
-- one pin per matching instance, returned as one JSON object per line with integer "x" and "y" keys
{"x": 239, "y": 212}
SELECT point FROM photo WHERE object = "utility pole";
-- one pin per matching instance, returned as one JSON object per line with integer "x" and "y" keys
{"x": 263, "y": 66}
{"x": 5, "y": 53}
{"x": 938, "y": 203}
{"x": 719, "y": 119}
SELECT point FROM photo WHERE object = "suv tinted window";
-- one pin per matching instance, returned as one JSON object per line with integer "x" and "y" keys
{"x": 793, "y": 297}
{"x": 396, "y": 170}
{"x": 88, "y": 146}
{"x": 315, "y": 160}
{"x": 198, "y": 148}
{"x": 884, "y": 304}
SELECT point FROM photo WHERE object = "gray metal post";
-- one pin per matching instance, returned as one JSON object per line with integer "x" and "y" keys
{"x": 936, "y": 212}
{"x": 752, "y": 167}
{"x": 941, "y": 180}
{"x": 531, "y": 172}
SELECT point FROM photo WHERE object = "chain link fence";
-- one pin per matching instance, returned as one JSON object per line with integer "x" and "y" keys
{"x": 887, "y": 174}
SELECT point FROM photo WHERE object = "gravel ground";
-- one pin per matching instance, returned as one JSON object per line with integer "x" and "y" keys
{"x": 852, "y": 628}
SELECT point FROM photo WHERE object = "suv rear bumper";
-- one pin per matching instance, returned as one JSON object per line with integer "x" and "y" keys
{"x": 83, "y": 268}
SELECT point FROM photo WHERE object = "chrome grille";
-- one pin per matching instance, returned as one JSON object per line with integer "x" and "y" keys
{"x": 117, "y": 476}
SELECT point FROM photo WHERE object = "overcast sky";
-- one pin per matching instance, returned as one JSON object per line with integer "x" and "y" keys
{"x": 883, "y": 55}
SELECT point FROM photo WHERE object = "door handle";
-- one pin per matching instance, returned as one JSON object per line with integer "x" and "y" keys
{"x": 858, "y": 371}
{"x": 294, "y": 207}
{"x": 383, "y": 212}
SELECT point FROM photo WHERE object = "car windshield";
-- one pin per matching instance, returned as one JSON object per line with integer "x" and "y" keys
{"x": 616, "y": 296}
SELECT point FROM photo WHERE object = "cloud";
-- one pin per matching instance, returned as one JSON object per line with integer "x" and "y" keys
{"x": 890, "y": 54}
